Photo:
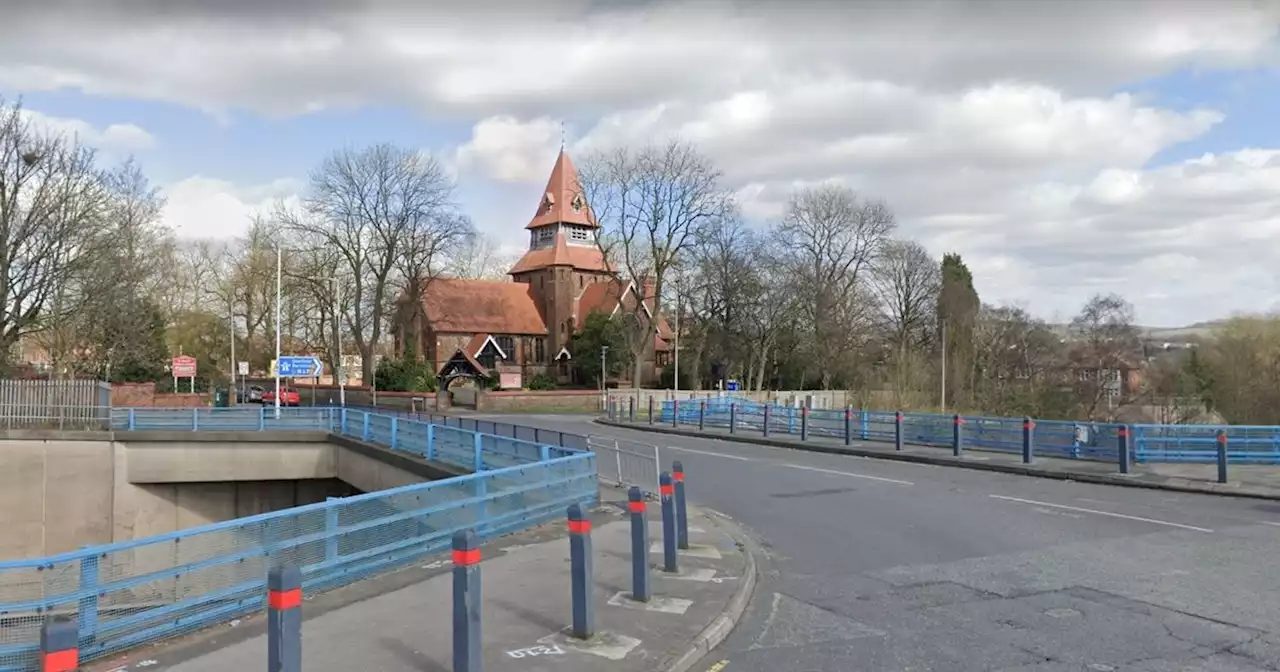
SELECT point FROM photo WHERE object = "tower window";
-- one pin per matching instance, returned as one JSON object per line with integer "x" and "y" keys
{"x": 543, "y": 237}
{"x": 579, "y": 234}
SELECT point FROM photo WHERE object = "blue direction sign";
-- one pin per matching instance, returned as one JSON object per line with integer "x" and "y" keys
{"x": 301, "y": 367}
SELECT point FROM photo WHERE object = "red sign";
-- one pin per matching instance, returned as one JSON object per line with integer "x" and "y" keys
{"x": 184, "y": 367}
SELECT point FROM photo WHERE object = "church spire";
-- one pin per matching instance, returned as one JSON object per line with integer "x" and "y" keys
{"x": 562, "y": 201}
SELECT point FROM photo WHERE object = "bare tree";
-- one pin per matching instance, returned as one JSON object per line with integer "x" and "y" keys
{"x": 830, "y": 237}
{"x": 370, "y": 206}
{"x": 1106, "y": 344}
{"x": 907, "y": 280}
{"x": 479, "y": 258}
{"x": 653, "y": 203}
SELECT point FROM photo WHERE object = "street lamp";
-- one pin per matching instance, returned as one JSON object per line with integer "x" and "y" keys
{"x": 279, "y": 268}
{"x": 604, "y": 349}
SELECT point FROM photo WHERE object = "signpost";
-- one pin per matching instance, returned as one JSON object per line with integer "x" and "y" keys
{"x": 184, "y": 366}
{"x": 300, "y": 367}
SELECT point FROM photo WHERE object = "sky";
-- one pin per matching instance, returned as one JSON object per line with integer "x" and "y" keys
{"x": 1063, "y": 148}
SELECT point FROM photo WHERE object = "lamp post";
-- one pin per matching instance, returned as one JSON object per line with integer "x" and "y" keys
{"x": 279, "y": 268}
{"x": 604, "y": 349}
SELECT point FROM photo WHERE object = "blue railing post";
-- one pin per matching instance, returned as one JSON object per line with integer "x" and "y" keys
{"x": 639, "y": 544}
{"x": 957, "y": 434}
{"x": 1222, "y": 456}
{"x": 364, "y": 433}
{"x": 791, "y": 420}
{"x": 431, "y": 442}
{"x": 195, "y": 419}
{"x": 544, "y": 452}
{"x": 1028, "y": 439}
{"x": 331, "y": 529}
{"x": 1122, "y": 444}
{"x": 466, "y": 602}
{"x": 132, "y": 419}
{"x": 580, "y": 573}
{"x": 87, "y": 620}
{"x": 262, "y": 418}
{"x": 478, "y": 449}
{"x": 395, "y": 432}
{"x": 866, "y": 424}
{"x": 284, "y": 619}
{"x": 342, "y": 428}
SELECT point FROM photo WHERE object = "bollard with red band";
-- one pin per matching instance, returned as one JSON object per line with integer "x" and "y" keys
{"x": 682, "y": 509}
{"x": 1122, "y": 445}
{"x": 1028, "y": 439}
{"x": 1222, "y": 456}
{"x": 580, "y": 572}
{"x": 639, "y": 545}
{"x": 466, "y": 602}
{"x": 284, "y": 619}
{"x": 897, "y": 430}
{"x": 667, "y": 491}
{"x": 957, "y": 434}
{"x": 59, "y": 645}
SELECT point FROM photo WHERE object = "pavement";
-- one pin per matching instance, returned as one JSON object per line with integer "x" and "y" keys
{"x": 872, "y": 564}
{"x": 403, "y": 622}
{"x": 1243, "y": 480}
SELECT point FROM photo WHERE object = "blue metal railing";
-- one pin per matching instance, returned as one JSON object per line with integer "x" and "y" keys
{"x": 135, "y": 592}
{"x": 1053, "y": 438}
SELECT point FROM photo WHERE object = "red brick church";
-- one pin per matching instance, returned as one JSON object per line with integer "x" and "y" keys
{"x": 519, "y": 328}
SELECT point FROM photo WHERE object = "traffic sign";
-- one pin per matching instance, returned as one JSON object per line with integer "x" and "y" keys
{"x": 300, "y": 367}
{"x": 244, "y": 368}
{"x": 184, "y": 366}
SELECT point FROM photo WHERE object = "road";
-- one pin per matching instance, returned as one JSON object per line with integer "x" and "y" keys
{"x": 874, "y": 565}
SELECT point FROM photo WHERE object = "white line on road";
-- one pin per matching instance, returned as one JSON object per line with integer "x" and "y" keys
{"x": 847, "y": 473}
{"x": 707, "y": 452}
{"x": 1272, "y": 523}
{"x": 1101, "y": 513}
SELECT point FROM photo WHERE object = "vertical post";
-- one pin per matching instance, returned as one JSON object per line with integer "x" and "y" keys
{"x": 364, "y": 434}
{"x": 897, "y": 430}
{"x": 88, "y": 607}
{"x": 1222, "y": 456}
{"x": 639, "y": 545}
{"x": 866, "y": 423}
{"x": 466, "y": 602}
{"x": 702, "y": 415}
{"x": 544, "y": 452}
{"x": 848, "y": 425}
{"x": 284, "y": 619}
{"x": 667, "y": 492}
{"x": 1122, "y": 443}
{"x": 195, "y": 419}
{"x": 682, "y": 508}
{"x": 477, "y": 448}
{"x": 132, "y": 419}
{"x": 733, "y": 416}
{"x": 651, "y": 409}
{"x": 957, "y": 434}
{"x": 580, "y": 571}
{"x": 804, "y": 423}
{"x": 675, "y": 412}
{"x": 331, "y": 530}
{"x": 1028, "y": 439}
{"x": 59, "y": 645}
{"x": 431, "y": 441}
{"x": 766, "y": 420}
{"x": 395, "y": 431}
{"x": 631, "y": 409}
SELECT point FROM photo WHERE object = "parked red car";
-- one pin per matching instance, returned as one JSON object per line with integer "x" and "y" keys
{"x": 288, "y": 397}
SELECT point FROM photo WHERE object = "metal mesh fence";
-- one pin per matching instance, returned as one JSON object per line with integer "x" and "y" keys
{"x": 136, "y": 592}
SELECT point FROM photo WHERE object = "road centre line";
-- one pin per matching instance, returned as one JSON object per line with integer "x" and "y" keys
{"x": 1101, "y": 513}
{"x": 707, "y": 452}
{"x": 846, "y": 473}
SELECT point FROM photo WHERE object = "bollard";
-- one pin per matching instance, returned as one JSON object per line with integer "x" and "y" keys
{"x": 651, "y": 410}
{"x": 1222, "y": 456}
{"x": 580, "y": 571}
{"x": 639, "y": 545}
{"x": 1028, "y": 439}
{"x": 59, "y": 644}
{"x": 897, "y": 430}
{"x": 667, "y": 492}
{"x": 1122, "y": 444}
{"x": 702, "y": 415}
{"x": 466, "y": 602}
{"x": 682, "y": 510}
{"x": 848, "y": 425}
{"x": 733, "y": 416}
{"x": 631, "y": 409}
{"x": 957, "y": 435}
{"x": 675, "y": 412}
{"x": 766, "y": 421}
{"x": 284, "y": 619}
{"x": 804, "y": 423}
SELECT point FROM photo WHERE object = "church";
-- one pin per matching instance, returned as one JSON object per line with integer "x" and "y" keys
{"x": 516, "y": 329}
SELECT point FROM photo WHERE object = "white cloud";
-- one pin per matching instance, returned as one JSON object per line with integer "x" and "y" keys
{"x": 203, "y": 207}
{"x": 506, "y": 149}
{"x": 114, "y": 138}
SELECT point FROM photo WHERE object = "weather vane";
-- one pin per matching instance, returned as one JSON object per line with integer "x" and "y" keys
{"x": 562, "y": 135}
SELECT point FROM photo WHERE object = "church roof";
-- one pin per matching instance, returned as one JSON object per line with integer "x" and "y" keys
{"x": 482, "y": 307}
{"x": 582, "y": 257}
{"x": 562, "y": 200}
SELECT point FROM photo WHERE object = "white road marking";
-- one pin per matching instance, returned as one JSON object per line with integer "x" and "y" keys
{"x": 1101, "y": 513}
{"x": 1272, "y": 523}
{"x": 850, "y": 474}
{"x": 707, "y": 452}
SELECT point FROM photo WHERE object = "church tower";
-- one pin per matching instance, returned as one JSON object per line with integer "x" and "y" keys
{"x": 564, "y": 255}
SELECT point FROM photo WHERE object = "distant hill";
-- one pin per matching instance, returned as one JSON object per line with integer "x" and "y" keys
{"x": 1199, "y": 330}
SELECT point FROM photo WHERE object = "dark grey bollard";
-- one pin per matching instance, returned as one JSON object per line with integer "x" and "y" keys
{"x": 957, "y": 434}
{"x": 897, "y": 430}
{"x": 639, "y": 545}
{"x": 675, "y": 412}
{"x": 682, "y": 510}
{"x": 631, "y": 409}
{"x": 580, "y": 571}
{"x": 804, "y": 423}
{"x": 59, "y": 644}
{"x": 466, "y": 602}
{"x": 1222, "y": 456}
{"x": 284, "y": 619}
{"x": 1028, "y": 439}
{"x": 667, "y": 492}
{"x": 651, "y": 419}
{"x": 702, "y": 415}
{"x": 733, "y": 417}
{"x": 1122, "y": 445}
{"x": 848, "y": 426}
{"x": 766, "y": 421}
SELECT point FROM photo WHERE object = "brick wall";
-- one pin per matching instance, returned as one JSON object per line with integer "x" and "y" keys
{"x": 581, "y": 401}
{"x": 144, "y": 395}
